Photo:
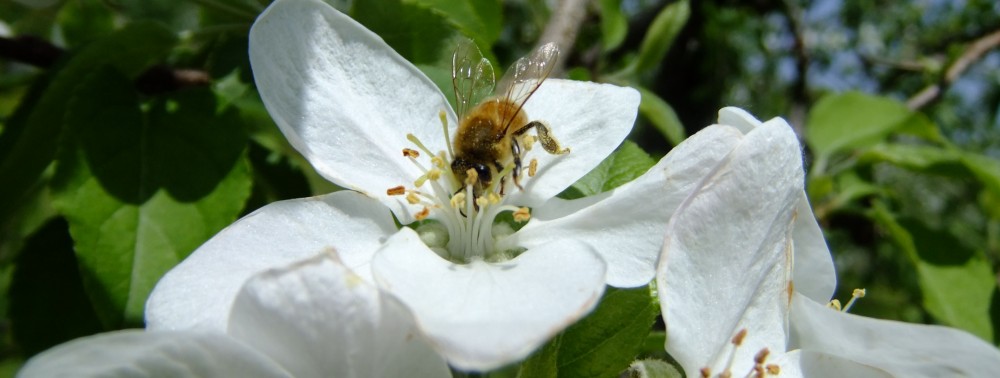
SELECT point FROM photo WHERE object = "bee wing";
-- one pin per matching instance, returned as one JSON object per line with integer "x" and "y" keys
{"x": 471, "y": 77}
{"x": 525, "y": 76}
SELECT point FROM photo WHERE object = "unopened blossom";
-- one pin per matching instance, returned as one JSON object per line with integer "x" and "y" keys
{"x": 744, "y": 260}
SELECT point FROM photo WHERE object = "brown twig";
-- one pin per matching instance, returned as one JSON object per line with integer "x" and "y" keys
{"x": 157, "y": 79}
{"x": 563, "y": 26}
{"x": 976, "y": 50}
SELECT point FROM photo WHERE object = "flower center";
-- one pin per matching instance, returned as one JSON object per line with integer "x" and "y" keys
{"x": 760, "y": 367}
{"x": 456, "y": 220}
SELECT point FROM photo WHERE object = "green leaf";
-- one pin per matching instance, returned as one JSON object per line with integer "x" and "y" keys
{"x": 937, "y": 160}
{"x": 28, "y": 145}
{"x": 957, "y": 282}
{"x": 413, "y": 30}
{"x": 661, "y": 34}
{"x": 480, "y": 19}
{"x": 627, "y": 163}
{"x": 48, "y": 305}
{"x": 614, "y": 24}
{"x": 84, "y": 20}
{"x": 601, "y": 344}
{"x": 141, "y": 190}
{"x": 652, "y": 368}
{"x": 662, "y": 116}
{"x": 853, "y": 119}
{"x": 985, "y": 168}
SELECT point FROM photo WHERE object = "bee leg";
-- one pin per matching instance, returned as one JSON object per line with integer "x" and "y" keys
{"x": 503, "y": 180}
{"x": 515, "y": 149}
{"x": 549, "y": 142}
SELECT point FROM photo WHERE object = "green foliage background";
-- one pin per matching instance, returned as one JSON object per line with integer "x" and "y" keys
{"x": 107, "y": 180}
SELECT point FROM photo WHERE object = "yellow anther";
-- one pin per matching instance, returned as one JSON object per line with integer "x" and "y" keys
{"x": 458, "y": 200}
{"x": 437, "y": 161}
{"x": 773, "y": 369}
{"x": 494, "y": 198}
{"x": 482, "y": 201}
{"x": 434, "y": 174}
{"x": 395, "y": 191}
{"x": 834, "y": 304}
{"x": 529, "y": 141}
{"x": 412, "y": 198}
{"x": 738, "y": 339}
{"x": 411, "y": 153}
{"x": 471, "y": 176}
{"x": 522, "y": 215}
{"x": 533, "y": 168}
{"x": 858, "y": 293}
{"x": 423, "y": 214}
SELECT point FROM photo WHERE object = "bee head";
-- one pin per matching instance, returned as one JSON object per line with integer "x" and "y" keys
{"x": 461, "y": 167}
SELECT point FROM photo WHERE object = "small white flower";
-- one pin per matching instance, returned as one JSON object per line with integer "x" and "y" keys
{"x": 284, "y": 323}
{"x": 725, "y": 278}
{"x": 485, "y": 295}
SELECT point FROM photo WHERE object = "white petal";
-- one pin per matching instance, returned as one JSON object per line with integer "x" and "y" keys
{"x": 813, "y": 273}
{"x": 822, "y": 365}
{"x": 317, "y": 318}
{"x": 738, "y": 118}
{"x": 590, "y": 119}
{"x": 134, "y": 353}
{"x": 897, "y": 348}
{"x": 199, "y": 291}
{"x": 625, "y": 226}
{"x": 482, "y": 316}
{"x": 344, "y": 98}
{"x": 726, "y": 258}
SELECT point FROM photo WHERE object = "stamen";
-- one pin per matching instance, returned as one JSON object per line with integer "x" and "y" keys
{"x": 413, "y": 138}
{"x": 423, "y": 214}
{"x": 494, "y": 198}
{"x": 434, "y": 174}
{"x": 706, "y": 372}
{"x": 834, "y": 304}
{"x": 522, "y": 215}
{"x": 444, "y": 126}
{"x": 482, "y": 202}
{"x": 529, "y": 141}
{"x": 533, "y": 168}
{"x": 858, "y": 293}
{"x": 412, "y": 198}
{"x": 411, "y": 153}
{"x": 457, "y": 200}
{"x": 471, "y": 176}
{"x": 773, "y": 369}
{"x": 761, "y": 356}
{"x": 738, "y": 338}
{"x": 396, "y": 191}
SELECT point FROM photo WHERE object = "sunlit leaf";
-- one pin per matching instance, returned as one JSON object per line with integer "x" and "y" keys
{"x": 661, "y": 34}
{"x": 662, "y": 116}
{"x": 614, "y": 25}
{"x": 851, "y": 120}
{"x": 622, "y": 166}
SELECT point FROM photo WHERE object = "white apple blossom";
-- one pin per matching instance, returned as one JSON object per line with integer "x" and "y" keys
{"x": 725, "y": 280}
{"x": 314, "y": 318}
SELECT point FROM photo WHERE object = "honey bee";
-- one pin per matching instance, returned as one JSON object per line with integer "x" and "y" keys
{"x": 492, "y": 126}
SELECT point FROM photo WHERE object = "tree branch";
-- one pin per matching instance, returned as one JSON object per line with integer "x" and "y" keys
{"x": 973, "y": 53}
{"x": 157, "y": 79}
{"x": 563, "y": 26}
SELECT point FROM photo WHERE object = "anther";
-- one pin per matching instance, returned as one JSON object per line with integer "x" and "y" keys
{"x": 494, "y": 198}
{"x": 423, "y": 214}
{"x": 761, "y": 356}
{"x": 396, "y": 191}
{"x": 738, "y": 339}
{"x": 471, "y": 176}
{"x": 411, "y": 153}
{"x": 482, "y": 202}
{"x": 458, "y": 200}
{"x": 532, "y": 167}
{"x": 437, "y": 161}
{"x": 529, "y": 141}
{"x": 773, "y": 369}
{"x": 522, "y": 215}
{"x": 834, "y": 304}
{"x": 434, "y": 174}
{"x": 858, "y": 293}
{"x": 412, "y": 198}
{"x": 705, "y": 372}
